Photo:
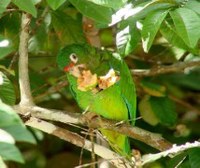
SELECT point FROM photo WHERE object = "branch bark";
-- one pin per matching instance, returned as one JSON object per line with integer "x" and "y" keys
{"x": 152, "y": 139}
{"x": 177, "y": 67}
{"x": 24, "y": 84}
{"x": 78, "y": 140}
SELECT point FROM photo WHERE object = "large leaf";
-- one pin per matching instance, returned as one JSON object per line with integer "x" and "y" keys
{"x": 55, "y": 4}
{"x": 3, "y": 5}
{"x": 139, "y": 11}
{"x": 108, "y": 3}
{"x": 10, "y": 152}
{"x": 146, "y": 111}
{"x": 187, "y": 24}
{"x": 10, "y": 122}
{"x": 68, "y": 33}
{"x": 168, "y": 31}
{"x": 93, "y": 11}
{"x": 27, "y": 6}
{"x": 2, "y": 164}
{"x": 164, "y": 110}
{"x": 127, "y": 38}
{"x": 194, "y": 157}
{"x": 7, "y": 93}
{"x": 150, "y": 28}
{"x": 193, "y": 5}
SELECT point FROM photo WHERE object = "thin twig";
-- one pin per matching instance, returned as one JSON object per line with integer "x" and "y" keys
{"x": 170, "y": 152}
{"x": 24, "y": 83}
{"x": 78, "y": 140}
{"x": 158, "y": 70}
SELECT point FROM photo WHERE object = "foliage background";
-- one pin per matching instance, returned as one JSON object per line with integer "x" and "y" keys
{"x": 150, "y": 35}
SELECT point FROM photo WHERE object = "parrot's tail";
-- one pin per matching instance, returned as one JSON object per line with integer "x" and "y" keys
{"x": 119, "y": 142}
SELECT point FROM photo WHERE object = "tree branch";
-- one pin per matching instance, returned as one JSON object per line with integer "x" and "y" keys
{"x": 78, "y": 140}
{"x": 172, "y": 151}
{"x": 24, "y": 84}
{"x": 158, "y": 70}
{"x": 152, "y": 139}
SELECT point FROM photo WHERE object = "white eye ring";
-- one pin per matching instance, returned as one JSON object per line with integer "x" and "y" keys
{"x": 73, "y": 58}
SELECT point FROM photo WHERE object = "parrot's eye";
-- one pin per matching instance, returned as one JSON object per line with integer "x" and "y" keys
{"x": 73, "y": 57}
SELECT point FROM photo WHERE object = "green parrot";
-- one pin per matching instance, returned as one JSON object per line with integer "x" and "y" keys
{"x": 101, "y": 82}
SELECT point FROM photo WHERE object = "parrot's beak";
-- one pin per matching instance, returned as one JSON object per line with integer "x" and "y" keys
{"x": 69, "y": 67}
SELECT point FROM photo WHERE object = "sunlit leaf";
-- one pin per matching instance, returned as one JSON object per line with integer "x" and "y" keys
{"x": 6, "y": 137}
{"x": 26, "y": 5}
{"x": 10, "y": 152}
{"x": 2, "y": 164}
{"x": 139, "y": 11}
{"x": 127, "y": 38}
{"x": 55, "y": 4}
{"x": 187, "y": 24}
{"x": 150, "y": 28}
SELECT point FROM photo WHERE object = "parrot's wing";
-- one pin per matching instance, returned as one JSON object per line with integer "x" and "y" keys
{"x": 127, "y": 86}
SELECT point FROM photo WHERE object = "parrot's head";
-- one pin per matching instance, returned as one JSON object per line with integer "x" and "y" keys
{"x": 74, "y": 54}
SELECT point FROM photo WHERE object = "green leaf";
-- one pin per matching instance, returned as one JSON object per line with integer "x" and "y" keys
{"x": 5, "y": 47}
{"x": 2, "y": 164}
{"x": 146, "y": 111}
{"x": 10, "y": 152}
{"x": 153, "y": 89}
{"x": 150, "y": 28}
{"x": 93, "y": 11}
{"x": 164, "y": 110}
{"x": 3, "y": 5}
{"x": 7, "y": 93}
{"x": 6, "y": 137}
{"x": 189, "y": 80}
{"x": 67, "y": 33}
{"x": 26, "y": 5}
{"x": 108, "y": 3}
{"x": 130, "y": 12}
{"x": 20, "y": 133}
{"x": 193, "y": 5}
{"x": 194, "y": 157}
{"x": 127, "y": 38}
{"x": 168, "y": 31}
{"x": 10, "y": 122}
{"x": 55, "y": 4}
{"x": 187, "y": 24}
